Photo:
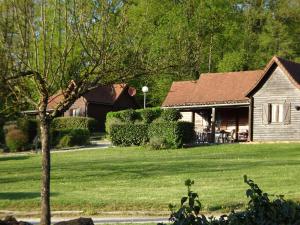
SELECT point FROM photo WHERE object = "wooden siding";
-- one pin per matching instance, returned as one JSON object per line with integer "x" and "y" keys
{"x": 278, "y": 89}
{"x": 199, "y": 121}
{"x": 78, "y": 104}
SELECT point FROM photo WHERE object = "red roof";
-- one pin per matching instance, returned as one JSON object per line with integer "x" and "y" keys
{"x": 230, "y": 87}
{"x": 179, "y": 93}
{"x": 213, "y": 88}
{"x": 106, "y": 95}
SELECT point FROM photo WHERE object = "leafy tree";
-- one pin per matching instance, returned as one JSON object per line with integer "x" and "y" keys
{"x": 65, "y": 46}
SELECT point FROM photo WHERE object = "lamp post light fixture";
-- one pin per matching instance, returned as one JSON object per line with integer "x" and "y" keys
{"x": 145, "y": 89}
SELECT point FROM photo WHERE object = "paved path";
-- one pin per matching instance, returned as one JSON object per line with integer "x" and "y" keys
{"x": 98, "y": 220}
{"x": 96, "y": 145}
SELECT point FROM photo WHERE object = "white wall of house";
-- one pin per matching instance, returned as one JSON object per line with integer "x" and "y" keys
{"x": 200, "y": 122}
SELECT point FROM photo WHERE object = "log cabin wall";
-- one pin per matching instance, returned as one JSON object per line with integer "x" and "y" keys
{"x": 280, "y": 93}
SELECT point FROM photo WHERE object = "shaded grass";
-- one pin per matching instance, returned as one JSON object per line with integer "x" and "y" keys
{"x": 139, "y": 179}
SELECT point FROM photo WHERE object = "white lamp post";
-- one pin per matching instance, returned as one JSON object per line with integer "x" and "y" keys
{"x": 145, "y": 89}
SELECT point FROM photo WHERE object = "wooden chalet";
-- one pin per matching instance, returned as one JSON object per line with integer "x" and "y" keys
{"x": 98, "y": 101}
{"x": 260, "y": 105}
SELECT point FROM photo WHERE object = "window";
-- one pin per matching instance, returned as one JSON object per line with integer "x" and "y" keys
{"x": 277, "y": 113}
{"x": 75, "y": 112}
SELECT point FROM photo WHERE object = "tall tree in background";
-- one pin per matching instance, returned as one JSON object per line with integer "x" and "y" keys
{"x": 70, "y": 46}
{"x": 214, "y": 36}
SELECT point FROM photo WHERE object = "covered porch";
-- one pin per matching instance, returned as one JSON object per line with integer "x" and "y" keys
{"x": 220, "y": 123}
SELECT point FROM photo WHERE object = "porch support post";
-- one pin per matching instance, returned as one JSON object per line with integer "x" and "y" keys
{"x": 193, "y": 117}
{"x": 213, "y": 125}
{"x": 250, "y": 120}
{"x": 237, "y": 124}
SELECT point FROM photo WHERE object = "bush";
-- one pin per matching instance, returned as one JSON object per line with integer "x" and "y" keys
{"x": 148, "y": 115}
{"x": 60, "y": 123}
{"x": 129, "y": 134}
{"x": 260, "y": 210}
{"x": 29, "y": 127}
{"x": 171, "y": 115}
{"x": 128, "y": 115}
{"x": 157, "y": 143}
{"x": 65, "y": 141}
{"x": 16, "y": 140}
{"x": 175, "y": 133}
{"x": 69, "y": 137}
{"x": 109, "y": 122}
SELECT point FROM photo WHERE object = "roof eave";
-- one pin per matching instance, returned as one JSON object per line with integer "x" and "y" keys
{"x": 209, "y": 105}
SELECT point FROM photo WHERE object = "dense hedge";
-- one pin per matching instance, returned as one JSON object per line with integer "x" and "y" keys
{"x": 171, "y": 115}
{"x": 159, "y": 127}
{"x": 69, "y": 137}
{"x": 74, "y": 123}
{"x": 148, "y": 115}
{"x": 141, "y": 115}
{"x": 129, "y": 134}
{"x": 175, "y": 134}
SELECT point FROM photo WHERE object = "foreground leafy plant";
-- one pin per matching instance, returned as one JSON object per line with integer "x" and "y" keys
{"x": 260, "y": 210}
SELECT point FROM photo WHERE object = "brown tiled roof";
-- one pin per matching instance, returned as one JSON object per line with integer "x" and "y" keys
{"x": 179, "y": 93}
{"x": 107, "y": 95}
{"x": 290, "y": 69}
{"x": 213, "y": 88}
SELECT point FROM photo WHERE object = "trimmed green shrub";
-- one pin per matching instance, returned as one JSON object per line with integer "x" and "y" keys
{"x": 74, "y": 123}
{"x": 171, "y": 115}
{"x": 109, "y": 122}
{"x": 69, "y": 137}
{"x": 128, "y": 115}
{"x": 65, "y": 141}
{"x": 129, "y": 134}
{"x": 158, "y": 143}
{"x": 16, "y": 140}
{"x": 175, "y": 133}
{"x": 29, "y": 127}
{"x": 148, "y": 115}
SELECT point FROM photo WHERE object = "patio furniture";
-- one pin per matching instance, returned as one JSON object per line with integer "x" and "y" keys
{"x": 243, "y": 136}
{"x": 231, "y": 136}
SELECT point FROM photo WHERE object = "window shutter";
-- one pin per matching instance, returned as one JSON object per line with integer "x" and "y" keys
{"x": 287, "y": 113}
{"x": 265, "y": 113}
{"x": 270, "y": 113}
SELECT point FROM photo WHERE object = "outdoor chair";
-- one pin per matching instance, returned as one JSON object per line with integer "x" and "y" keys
{"x": 231, "y": 136}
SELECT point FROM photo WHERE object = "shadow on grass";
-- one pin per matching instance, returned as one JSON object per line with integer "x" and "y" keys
{"x": 21, "y": 195}
{"x": 13, "y": 158}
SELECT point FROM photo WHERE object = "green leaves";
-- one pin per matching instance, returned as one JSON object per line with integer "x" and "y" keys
{"x": 188, "y": 182}
{"x": 260, "y": 211}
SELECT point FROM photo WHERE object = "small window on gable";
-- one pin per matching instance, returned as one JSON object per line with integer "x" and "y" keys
{"x": 277, "y": 113}
{"x": 75, "y": 112}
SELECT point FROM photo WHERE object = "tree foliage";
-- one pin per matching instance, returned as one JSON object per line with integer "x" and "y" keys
{"x": 192, "y": 37}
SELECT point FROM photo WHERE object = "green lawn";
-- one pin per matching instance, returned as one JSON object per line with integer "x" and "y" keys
{"x": 139, "y": 179}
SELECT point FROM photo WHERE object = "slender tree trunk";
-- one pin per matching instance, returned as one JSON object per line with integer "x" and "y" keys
{"x": 45, "y": 186}
{"x": 210, "y": 53}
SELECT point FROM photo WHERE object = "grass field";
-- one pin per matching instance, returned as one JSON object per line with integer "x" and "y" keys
{"x": 126, "y": 179}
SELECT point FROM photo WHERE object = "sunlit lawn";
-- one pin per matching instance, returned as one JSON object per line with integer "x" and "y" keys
{"x": 139, "y": 179}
